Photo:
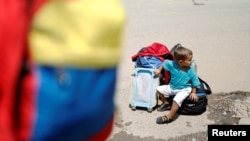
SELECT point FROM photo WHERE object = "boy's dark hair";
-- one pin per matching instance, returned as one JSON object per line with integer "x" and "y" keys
{"x": 181, "y": 53}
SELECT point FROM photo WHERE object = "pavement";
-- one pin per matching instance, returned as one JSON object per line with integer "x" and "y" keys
{"x": 218, "y": 32}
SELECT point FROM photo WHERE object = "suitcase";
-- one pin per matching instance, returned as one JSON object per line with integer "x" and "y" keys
{"x": 143, "y": 89}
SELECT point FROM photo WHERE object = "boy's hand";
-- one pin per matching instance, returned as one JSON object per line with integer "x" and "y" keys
{"x": 194, "y": 97}
{"x": 157, "y": 72}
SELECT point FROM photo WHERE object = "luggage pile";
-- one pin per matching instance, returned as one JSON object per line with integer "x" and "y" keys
{"x": 144, "y": 82}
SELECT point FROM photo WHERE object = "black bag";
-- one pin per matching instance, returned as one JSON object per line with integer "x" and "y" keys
{"x": 190, "y": 107}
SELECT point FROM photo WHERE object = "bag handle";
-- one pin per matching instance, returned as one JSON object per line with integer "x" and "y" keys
{"x": 207, "y": 89}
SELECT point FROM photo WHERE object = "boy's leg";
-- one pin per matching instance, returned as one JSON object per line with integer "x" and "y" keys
{"x": 168, "y": 118}
{"x": 162, "y": 98}
{"x": 174, "y": 108}
{"x": 164, "y": 91}
{"x": 177, "y": 101}
{"x": 165, "y": 103}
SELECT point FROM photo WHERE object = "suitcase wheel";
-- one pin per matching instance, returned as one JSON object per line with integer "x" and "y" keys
{"x": 150, "y": 110}
{"x": 133, "y": 107}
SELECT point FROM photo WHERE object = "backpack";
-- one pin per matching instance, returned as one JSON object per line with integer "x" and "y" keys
{"x": 152, "y": 56}
{"x": 190, "y": 107}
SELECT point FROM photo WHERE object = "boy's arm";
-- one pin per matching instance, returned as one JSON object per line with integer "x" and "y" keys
{"x": 158, "y": 71}
{"x": 195, "y": 84}
{"x": 193, "y": 95}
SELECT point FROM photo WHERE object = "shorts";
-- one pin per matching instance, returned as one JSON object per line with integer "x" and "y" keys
{"x": 179, "y": 95}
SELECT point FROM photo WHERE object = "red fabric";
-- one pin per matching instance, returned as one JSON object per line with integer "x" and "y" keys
{"x": 27, "y": 108}
{"x": 166, "y": 77}
{"x": 13, "y": 24}
{"x": 155, "y": 49}
{"x": 17, "y": 99}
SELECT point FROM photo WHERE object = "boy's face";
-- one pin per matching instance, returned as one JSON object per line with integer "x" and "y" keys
{"x": 187, "y": 62}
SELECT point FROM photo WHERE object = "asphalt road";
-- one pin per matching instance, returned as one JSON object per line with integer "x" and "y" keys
{"x": 218, "y": 32}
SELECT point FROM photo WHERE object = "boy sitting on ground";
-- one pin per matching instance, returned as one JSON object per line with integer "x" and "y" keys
{"x": 183, "y": 83}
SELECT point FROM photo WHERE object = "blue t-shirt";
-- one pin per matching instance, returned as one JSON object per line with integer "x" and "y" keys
{"x": 181, "y": 79}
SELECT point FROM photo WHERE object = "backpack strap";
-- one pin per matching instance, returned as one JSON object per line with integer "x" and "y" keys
{"x": 207, "y": 88}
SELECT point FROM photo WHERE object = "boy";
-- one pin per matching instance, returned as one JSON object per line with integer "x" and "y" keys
{"x": 183, "y": 83}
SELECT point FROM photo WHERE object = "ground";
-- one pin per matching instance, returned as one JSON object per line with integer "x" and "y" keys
{"x": 222, "y": 108}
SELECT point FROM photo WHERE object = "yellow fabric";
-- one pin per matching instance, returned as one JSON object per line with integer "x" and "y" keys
{"x": 78, "y": 33}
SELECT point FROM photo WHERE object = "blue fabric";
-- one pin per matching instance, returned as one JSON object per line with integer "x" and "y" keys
{"x": 71, "y": 101}
{"x": 148, "y": 62}
{"x": 181, "y": 79}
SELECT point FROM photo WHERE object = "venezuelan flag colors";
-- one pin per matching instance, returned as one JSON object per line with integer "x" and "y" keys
{"x": 60, "y": 60}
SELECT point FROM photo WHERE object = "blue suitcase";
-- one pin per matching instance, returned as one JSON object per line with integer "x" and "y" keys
{"x": 143, "y": 89}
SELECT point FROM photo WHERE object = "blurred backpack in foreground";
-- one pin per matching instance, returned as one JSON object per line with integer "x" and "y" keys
{"x": 76, "y": 48}
{"x": 72, "y": 43}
